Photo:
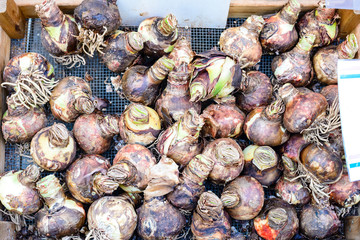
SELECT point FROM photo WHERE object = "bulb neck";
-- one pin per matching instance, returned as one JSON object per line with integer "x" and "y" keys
{"x": 167, "y": 25}
{"x": 29, "y": 175}
{"x": 305, "y": 44}
{"x": 161, "y": 68}
{"x": 277, "y": 218}
{"x": 138, "y": 114}
{"x": 192, "y": 122}
{"x": 59, "y": 135}
{"x": 109, "y": 125}
{"x": 348, "y": 48}
{"x": 198, "y": 169}
{"x": 104, "y": 184}
{"x": 325, "y": 15}
{"x": 51, "y": 191}
{"x": 230, "y": 199}
{"x": 210, "y": 207}
{"x": 254, "y": 24}
{"x": 134, "y": 42}
{"x": 288, "y": 92}
{"x": 264, "y": 158}
{"x": 275, "y": 110}
{"x": 123, "y": 172}
{"x": 290, "y": 11}
{"x": 84, "y": 105}
{"x": 227, "y": 153}
{"x": 49, "y": 13}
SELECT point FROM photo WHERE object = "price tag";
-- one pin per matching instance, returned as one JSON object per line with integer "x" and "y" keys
{"x": 349, "y": 99}
{"x": 189, "y": 13}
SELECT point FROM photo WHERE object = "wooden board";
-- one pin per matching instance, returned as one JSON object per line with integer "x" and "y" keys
{"x": 11, "y": 19}
{"x": 238, "y": 8}
{"x": 4, "y": 58}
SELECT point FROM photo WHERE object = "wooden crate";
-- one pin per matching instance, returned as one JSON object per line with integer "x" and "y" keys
{"x": 14, "y": 12}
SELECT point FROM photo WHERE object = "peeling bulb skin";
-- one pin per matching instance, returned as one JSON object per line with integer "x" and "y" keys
{"x": 248, "y": 194}
{"x": 97, "y": 14}
{"x": 53, "y": 148}
{"x": 58, "y": 31}
{"x": 160, "y": 35}
{"x": 277, "y": 220}
{"x": 215, "y": 75}
{"x": 323, "y": 23}
{"x": 209, "y": 220}
{"x": 175, "y": 98}
{"x": 112, "y": 217}
{"x": 318, "y": 222}
{"x": 223, "y": 120}
{"x": 303, "y": 107}
{"x": 325, "y": 60}
{"x": 261, "y": 163}
{"x": 131, "y": 167}
{"x": 82, "y": 175}
{"x": 20, "y": 124}
{"x": 264, "y": 126}
{"x": 255, "y": 91}
{"x": 62, "y": 215}
{"x": 242, "y": 43}
{"x": 320, "y": 161}
{"x": 345, "y": 193}
{"x": 293, "y": 192}
{"x": 293, "y": 147}
{"x": 94, "y": 132}
{"x": 121, "y": 51}
{"x": 182, "y": 53}
{"x": 141, "y": 84}
{"x": 181, "y": 141}
{"x": 228, "y": 158}
{"x": 295, "y": 66}
{"x": 186, "y": 195}
{"x": 279, "y": 34}
{"x": 70, "y": 98}
{"x": 18, "y": 193}
{"x": 139, "y": 124}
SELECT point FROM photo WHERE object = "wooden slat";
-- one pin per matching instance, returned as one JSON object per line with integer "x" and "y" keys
{"x": 349, "y": 20}
{"x": 4, "y": 58}
{"x": 357, "y": 33}
{"x": 245, "y": 8}
{"x": 11, "y": 19}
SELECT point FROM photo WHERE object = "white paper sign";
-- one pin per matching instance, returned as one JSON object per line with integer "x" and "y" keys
{"x": 343, "y": 4}
{"x": 189, "y": 13}
{"x": 349, "y": 99}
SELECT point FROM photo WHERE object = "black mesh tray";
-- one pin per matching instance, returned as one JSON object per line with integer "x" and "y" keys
{"x": 202, "y": 39}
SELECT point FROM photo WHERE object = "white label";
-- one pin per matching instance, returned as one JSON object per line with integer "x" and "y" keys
{"x": 189, "y": 13}
{"x": 349, "y": 99}
{"x": 343, "y": 4}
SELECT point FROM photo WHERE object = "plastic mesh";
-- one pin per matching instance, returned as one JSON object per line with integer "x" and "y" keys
{"x": 202, "y": 39}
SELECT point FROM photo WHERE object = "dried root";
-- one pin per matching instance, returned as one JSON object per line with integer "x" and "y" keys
{"x": 341, "y": 212}
{"x": 319, "y": 131}
{"x": 70, "y": 61}
{"x": 32, "y": 88}
{"x": 91, "y": 41}
{"x": 71, "y": 238}
{"x": 95, "y": 234}
{"x": 17, "y": 219}
{"x": 183, "y": 234}
{"x": 275, "y": 84}
{"x": 185, "y": 212}
{"x": 318, "y": 190}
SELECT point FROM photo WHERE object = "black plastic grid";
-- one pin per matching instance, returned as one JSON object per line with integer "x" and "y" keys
{"x": 202, "y": 39}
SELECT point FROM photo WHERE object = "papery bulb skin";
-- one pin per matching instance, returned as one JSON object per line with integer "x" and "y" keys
{"x": 186, "y": 195}
{"x": 242, "y": 43}
{"x": 182, "y": 53}
{"x": 293, "y": 192}
{"x": 175, "y": 98}
{"x": 98, "y": 15}
{"x": 70, "y": 98}
{"x": 255, "y": 91}
{"x": 331, "y": 93}
{"x": 295, "y": 66}
{"x": 20, "y": 124}
{"x": 279, "y": 33}
{"x": 181, "y": 141}
{"x": 344, "y": 192}
{"x": 94, "y": 132}
{"x": 160, "y": 35}
{"x": 18, "y": 193}
{"x": 264, "y": 125}
{"x": 223, "y": 120}
{"x": 293, "y": 147}
{"x": 325, "y": 60}
{"x": 303, "y": 107}
{"x": 62, "y": 215}
{"x": 215, "y": 75}
{"x": 323, "y": 23}
{"x": 277, "y": 220}
{"x": 122, "y": 49}
{"x": 209, "y": 220}
{"x": 228, "y": 158}
{"x": 114, "y": 217}
{"x": 58, "y": 31}
{"x": 243, "y": 198}
{"x": 320, "y": 161}
{"x": 262, "y": 163}
{"x": 139, "y": 124}
{"x": 131, "y": 167}
{"x": 141, "y": 84}
{"x": 85, "y": 180}
{"x": 318, "y": 222}
{"x": 53, "y": 148}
